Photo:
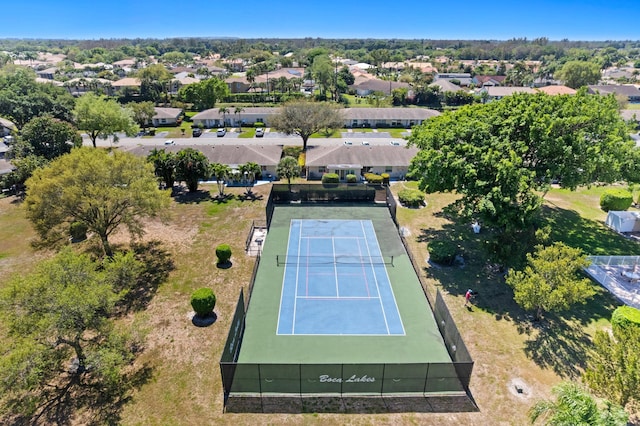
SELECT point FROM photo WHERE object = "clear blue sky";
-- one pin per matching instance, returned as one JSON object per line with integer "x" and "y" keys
{"x": 408, "y": 19}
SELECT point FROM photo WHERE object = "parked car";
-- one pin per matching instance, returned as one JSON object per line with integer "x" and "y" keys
{"x": 348, "y": 143}
{"x": 221, "y": 132}
{"x": 196, "y": 132}
{"x": 259, "y": 132}
{"x": 9, "y": 139}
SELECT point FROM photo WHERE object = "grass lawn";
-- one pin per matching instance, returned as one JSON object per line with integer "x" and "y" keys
{"x": 184, "y": 384}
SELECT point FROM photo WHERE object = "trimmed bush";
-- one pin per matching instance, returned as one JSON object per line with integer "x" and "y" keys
{"x": 330, "y": 178}
{"x": 203, "y": 301}
{"x": 258, "y": 124}
{"x": 78, "y": 231}
{"x": 385, "y": 178}
{"x": 352, "y": 179}
{"x": 616, "y": 200}
{"x": 442, "y": 251}
{"x": 373, "y": 178}
{"x": 223, "y": 252}
{"x": 411, "y": 197}
{"x": 625, "y": 317}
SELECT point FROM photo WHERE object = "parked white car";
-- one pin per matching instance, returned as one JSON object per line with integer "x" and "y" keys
{"x": 221, "y": 132}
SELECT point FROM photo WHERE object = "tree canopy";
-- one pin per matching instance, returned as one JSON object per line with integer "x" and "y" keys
{"x": 46, "y": 137}
{"x": 576, "y": 74}
{"x": 304, "y": 118}
{"x": 552, "y": 280}
{"x": 204, "y": 94}
{"x": 497, "y": 155}
{"x": 101, "y": 189}
{"x": 164, "y": 164}
{"x": 62, "y": 339}
{"x": 102, "y": 117}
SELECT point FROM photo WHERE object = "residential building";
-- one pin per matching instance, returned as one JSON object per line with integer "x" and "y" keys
{"x": 166, "y": 116}
{"x": 498, "y": 92}
{"x": 557, "y": 90}
{"x": 630, "y": 92}
{"x": 358, "y": 160}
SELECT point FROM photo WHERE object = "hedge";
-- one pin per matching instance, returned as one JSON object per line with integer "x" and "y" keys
{"x": 203, "y": 301}
{"x": 330, "y": 178}
{"x": 442, "y": 251}
{"x": 352, "y": 178}
{"x": 373, "y": 178}
{"x": 616, "y": 199}
{"x": 625, "y": 317}
{"x": 223, "y": 252}
{"x": 385, "y": 178}
{"x": 411, "y": 197}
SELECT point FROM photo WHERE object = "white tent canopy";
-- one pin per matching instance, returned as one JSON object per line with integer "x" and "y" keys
{"x": 623, "y": 221}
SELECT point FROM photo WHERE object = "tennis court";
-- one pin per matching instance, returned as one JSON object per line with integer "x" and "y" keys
{"x": 335, "y": 281}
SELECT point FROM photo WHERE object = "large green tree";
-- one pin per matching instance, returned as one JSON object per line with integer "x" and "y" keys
{"x": 552, "y": 281}
{"x": 103, "y": 117}
{"x": 576, "y": 74}
{"x": 192, "y": 166}
{"x": 104, "y": 190}
{"x": 498, "y": 155}
{"x": 288, "y": 168}
{"x": 304, "y": 118}
{"x": 142, "y": 112}
{"x": 62, "y": 341}
{"x": 204, "y": 94}
{"x": 22, "y": 98}
{"x": 46, "y": 137}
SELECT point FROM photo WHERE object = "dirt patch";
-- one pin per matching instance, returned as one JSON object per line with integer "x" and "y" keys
{"x": 519, "y": 388}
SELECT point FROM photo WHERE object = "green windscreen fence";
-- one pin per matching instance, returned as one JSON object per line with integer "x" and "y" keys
{"x": 281, "y": 193}
{"x": 232, "y": 347}
{"x": 358, "y": 379}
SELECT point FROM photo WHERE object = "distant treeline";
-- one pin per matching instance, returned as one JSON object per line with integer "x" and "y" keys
{"x": 399, "y": 50}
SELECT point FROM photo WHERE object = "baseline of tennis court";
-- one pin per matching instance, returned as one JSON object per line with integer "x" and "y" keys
{"x": 335, "y": 281}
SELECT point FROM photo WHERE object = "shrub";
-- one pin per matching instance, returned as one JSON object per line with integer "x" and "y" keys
{"x": 203, "y": 301}
{"x": 258, "y": 124}
{"x": 223, "y": 252}
{"x": 330, "y": 178}
{"x": 411, "y": 197}
{"x": 385, "y": 178}
{"x": 373, "y": 178}
{"x": 78, "y": 231}
{"x": 625, "y": 317}
{"x": 352, "y": 178}
{"x": 442, "y": 251}
{"x": 291, "y": 151}
{"x": 616, "y": 199}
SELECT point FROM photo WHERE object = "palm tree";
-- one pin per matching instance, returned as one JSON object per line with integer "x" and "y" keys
{"x": 220, "y": 172}
{"x": 288, "y": 168}
{"x": 224, "y": 111}
{"x": 250, "y": 171}
{"x": 165, "y": 166}
{"x": 237, "y": 111}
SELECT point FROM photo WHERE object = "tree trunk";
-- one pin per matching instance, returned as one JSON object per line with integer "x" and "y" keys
{"x": 106, "y": 246}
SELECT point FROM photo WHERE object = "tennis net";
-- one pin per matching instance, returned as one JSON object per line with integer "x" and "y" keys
{"x": 319, "y": 260}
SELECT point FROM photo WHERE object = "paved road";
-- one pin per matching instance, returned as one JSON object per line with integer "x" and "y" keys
{"x": 210, "y": 138}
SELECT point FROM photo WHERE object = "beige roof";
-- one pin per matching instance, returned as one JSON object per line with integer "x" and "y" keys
{"x": 500, "y": 91}
{"x": 213, "y": 113}
{"x": 49, "y": 81}
{"x": 231, "y": 155}
{"x": 167, "y": 112}
{"x": 371, "y": 155}
{"x": 389, "y": 113}
{"x": 557, "y": 90}
{"x": 7, "y": 123}
{"x": 127, "y": 82}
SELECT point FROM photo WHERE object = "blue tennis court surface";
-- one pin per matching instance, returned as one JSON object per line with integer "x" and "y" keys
{"x": 335, "y": 281}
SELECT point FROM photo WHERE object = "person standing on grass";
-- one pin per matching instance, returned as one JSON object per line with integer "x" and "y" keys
{"x": 467, "y": 297}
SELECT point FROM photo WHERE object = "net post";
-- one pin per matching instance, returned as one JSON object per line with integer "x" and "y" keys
{"x": 277, "y": 260}
{"x": 392, "y": 260}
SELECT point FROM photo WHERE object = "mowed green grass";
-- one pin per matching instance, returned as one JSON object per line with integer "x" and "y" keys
{"x": 184, "y": 385}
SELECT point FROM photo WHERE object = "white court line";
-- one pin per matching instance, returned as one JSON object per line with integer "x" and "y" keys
{"x": 375, "y": 278}
{"x": 284, "y": 280}
{"x": 335, "y": 266}
{"x": 375, "y": 236}
{"x": 337, "y": 297}
{"x": 295, "y": 298}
